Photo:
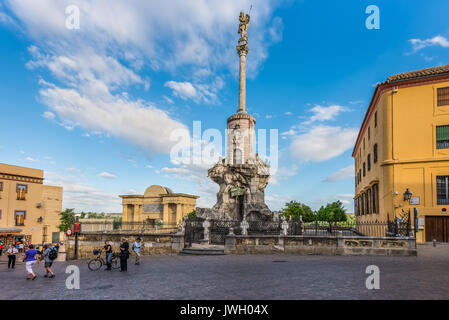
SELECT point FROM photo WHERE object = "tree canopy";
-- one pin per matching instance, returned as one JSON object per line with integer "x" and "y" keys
{"x": 332, "y": 212}
{"x": 294, "y": 209}
{"x": 67, "y": 216}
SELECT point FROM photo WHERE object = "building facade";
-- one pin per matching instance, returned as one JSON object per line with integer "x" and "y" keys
{"x": 401, "y": 154}
{"x": 158, "y": 203}
{"x": 29, "y": 210}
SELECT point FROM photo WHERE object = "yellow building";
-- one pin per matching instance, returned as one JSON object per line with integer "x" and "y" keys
{"x": 29, "y": 209}
{"x": 158, "y": 203}
{"x": 404, "y": 144}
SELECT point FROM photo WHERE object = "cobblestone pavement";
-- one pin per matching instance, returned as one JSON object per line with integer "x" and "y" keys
{"x": 244, "y": 277}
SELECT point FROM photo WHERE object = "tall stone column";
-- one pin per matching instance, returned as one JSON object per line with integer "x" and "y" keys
{"x": 242, "y": 82}
{"x": 242, "y": 49}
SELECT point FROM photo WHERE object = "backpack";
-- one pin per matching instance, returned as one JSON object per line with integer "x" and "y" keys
{"x": 53, "y": 254}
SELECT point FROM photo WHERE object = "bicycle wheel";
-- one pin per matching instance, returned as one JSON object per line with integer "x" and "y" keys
{"x": 115, "y": 262}
{"x": 94, "y": 264}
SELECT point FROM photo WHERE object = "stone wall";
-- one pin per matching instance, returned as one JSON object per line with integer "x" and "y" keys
{"x": 153, "y": 244}
{"x": 263, "y": 244}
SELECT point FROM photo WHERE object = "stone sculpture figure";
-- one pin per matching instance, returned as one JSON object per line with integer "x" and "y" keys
{"x": 244, "y": 25}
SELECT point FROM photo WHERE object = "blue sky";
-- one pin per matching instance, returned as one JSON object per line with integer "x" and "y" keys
{"x": 94, "y": 107}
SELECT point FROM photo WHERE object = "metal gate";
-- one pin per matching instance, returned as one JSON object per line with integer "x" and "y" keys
{"x": 194, "y": 231}
{"x": 219, "y": 229}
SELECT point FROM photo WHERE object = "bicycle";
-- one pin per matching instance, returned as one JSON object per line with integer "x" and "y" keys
{"x": 96, "y": 263}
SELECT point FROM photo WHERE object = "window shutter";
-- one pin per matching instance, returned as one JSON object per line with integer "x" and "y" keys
{"x": 442, "y": 133}
{"x": 443, "y": 96}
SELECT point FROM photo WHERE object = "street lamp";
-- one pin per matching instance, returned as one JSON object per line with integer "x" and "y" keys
{"x": 407, "y": 195}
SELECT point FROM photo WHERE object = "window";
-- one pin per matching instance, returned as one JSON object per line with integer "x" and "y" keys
{"x": 367, "y": 199}
{"x": 442, "y": 137}
{"x": 363, "y": 144}
{"x": 375, "y": 197}
{"x": 442, "y": 190}
{"x": 0, "y": 214}
{"x": 364, "y": 169}
{"x": 375, "y": 153}
{"x": 369, "y": 133}
{"x": 375, "y": 119}
{"x": 1, "y": 186}
{"x": 362, "y": 202}
{"x": 368, "y": 160}
{"x": 21, "y": 190}
{"x": 443, "y": 96}
{"x": 19, "y": 218}
{"x": 356, "y": 209}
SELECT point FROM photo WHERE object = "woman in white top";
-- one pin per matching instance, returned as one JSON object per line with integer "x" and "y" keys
{"x": 12, "y": 251}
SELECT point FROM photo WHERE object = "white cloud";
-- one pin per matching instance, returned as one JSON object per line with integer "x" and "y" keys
{"x": 30, "y": 159}
{"x": 97, "y": 63}
{"x": 93, "y": 107}
{"x": 160, "y": 34}
{"x": 418, "y": 44}
{"x": 197, "y": 92}
{"x": 283, "y": 173}
{"x": 48, "y": 115}
{"x": 322, "y": 114}
{"x": 183, "y": 90}
{"x": 196, "y": 173}
{"x": 107, "y": 175}
{"x": 168, "y": 100}
{"x": 290, "y": 132}
{"x": 276, "y": 202}
{"x": 344, "y": 173}
{"x": 345, "y": 198}
{"x": 322, "y": 143}
{"x": 81, "y": 196}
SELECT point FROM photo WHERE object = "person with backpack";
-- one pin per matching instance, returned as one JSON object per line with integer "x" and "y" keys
{"x": 136, "y": 248}
{"x": 30, "y": 259}
{"x": 12, "y": 251}
{"x": 50, "y": 255}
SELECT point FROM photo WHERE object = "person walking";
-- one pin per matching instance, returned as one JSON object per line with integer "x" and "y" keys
{"x": 30, "y": 259}
{"x": 108, "y": 250}
{"x": 124, "y": 255}
{"x": 50, "y": 254}
{"x": 12, "y": 251}
{"x": 136, "y": 248}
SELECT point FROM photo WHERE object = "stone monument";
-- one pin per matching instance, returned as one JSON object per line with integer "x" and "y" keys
{"x": 242, "y": 175}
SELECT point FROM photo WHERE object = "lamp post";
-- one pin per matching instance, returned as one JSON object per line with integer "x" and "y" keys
{"x": 407, "y": 195}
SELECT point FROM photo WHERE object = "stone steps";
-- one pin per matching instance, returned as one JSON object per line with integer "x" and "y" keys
{"x": 202, "y": 251}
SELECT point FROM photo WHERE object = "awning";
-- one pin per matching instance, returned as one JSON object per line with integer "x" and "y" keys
{"x": 6, "y": 231}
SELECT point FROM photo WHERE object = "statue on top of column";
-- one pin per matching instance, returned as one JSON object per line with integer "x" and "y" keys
{"x": 243, "y": 31}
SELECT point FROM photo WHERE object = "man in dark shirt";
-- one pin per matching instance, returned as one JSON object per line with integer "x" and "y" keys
{"x": 124, "y": 255}
{"x": 108, "y": 251}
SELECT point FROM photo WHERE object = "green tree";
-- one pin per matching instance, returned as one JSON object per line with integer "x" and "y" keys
{"x": 192, "y": 215}
{"x": 66, "y": 218}
{"x": 332, "y": 212}
{"x": 294, "y": 209}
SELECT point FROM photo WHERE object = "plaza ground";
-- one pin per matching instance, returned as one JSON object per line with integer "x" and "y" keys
{"x": 244, "y": 277}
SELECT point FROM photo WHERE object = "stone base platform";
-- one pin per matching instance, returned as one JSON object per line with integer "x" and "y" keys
{"x": 203, "y": 250}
